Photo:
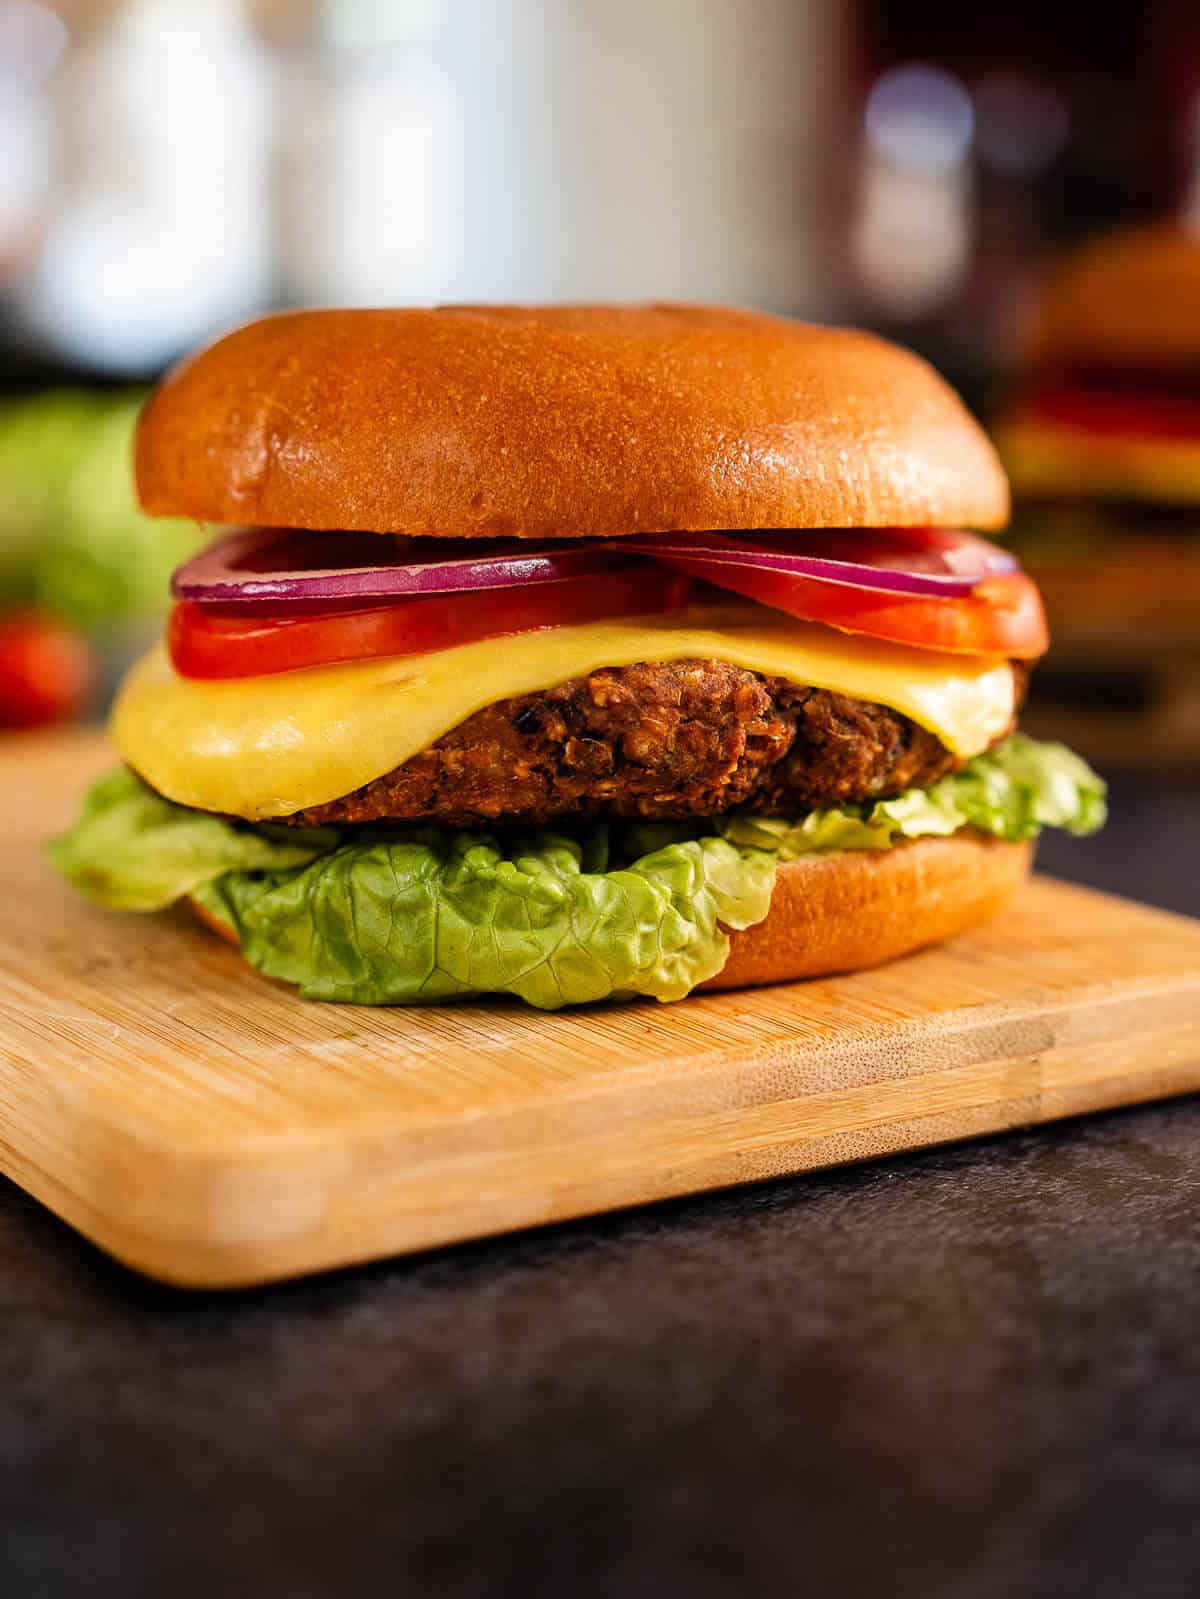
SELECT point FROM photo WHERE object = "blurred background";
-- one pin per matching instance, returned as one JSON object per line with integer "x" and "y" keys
{"x": 171, "y": 167}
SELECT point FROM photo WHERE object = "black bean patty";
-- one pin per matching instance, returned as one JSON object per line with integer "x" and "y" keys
{"x": 660, "y": 739}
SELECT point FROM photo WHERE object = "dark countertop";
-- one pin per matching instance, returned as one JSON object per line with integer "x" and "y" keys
{"x": 1149, "y": 850}
{"x": 973, "y": 1373}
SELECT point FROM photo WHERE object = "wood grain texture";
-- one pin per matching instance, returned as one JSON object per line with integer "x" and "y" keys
{"x": 207, "y": 1127}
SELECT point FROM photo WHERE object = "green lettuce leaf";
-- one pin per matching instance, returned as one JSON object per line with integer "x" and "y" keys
{"x": 1022, "y": 786}
{"x": 72, "y": 539}
{"x": 131, "y": 850}
{"x": 433, "y": 915}
{"x": 1011, "y": 792}
{"x": 373, "y": 915}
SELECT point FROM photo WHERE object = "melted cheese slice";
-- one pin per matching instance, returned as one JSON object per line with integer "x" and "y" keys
{"x": 1073, "y": 462}
{"x": 266, "y": 746}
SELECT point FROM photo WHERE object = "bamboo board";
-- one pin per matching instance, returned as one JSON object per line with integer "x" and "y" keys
{"x": 208, "y": 1128}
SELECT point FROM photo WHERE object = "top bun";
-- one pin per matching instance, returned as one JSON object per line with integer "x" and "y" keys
{"x": 561, "y": 421}
{"x": 1130, "y": 298}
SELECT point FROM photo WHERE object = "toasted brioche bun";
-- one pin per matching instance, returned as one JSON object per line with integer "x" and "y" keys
{"x": 840, "y": 913}
{"x": 1130, "y": 298}
{"x": 562, "y": 421}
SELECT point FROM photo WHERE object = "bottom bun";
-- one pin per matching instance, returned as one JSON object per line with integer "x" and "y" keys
{"x": 839, "y": 913}
{"x": 211, "y": 922}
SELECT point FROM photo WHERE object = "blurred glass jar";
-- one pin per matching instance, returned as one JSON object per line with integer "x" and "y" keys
{"x": 157, "y": 226}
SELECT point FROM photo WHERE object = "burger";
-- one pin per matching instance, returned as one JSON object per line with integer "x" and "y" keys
{"x": 574, "y": 653}
{"x": 1101, "y": 438}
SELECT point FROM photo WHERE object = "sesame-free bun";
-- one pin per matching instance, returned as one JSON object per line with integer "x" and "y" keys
{"x": 561, "y": 421}
{"x": 842, "y": 912}
{"x": 1128, "y": 299}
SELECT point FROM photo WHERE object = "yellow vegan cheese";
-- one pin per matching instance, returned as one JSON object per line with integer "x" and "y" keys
{"x": 265, "y": 746}
{"x": 1068, "y": 462}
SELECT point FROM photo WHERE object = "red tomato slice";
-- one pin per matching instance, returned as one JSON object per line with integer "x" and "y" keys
{"x": 207, "y": 642}
{"x": 45, "y": 671}
{"x": 1002, "y": 616}
{"x": 1132, "y": 415}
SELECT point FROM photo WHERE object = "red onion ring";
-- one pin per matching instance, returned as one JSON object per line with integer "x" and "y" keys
{"x": 929, "y": 561}
{"x": 283, "y": 567}
{"x": 270, "y": 569}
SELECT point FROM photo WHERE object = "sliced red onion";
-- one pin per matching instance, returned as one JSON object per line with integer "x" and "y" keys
{"x": 931, "y": 561}
{"x": 270, "y": 569}
{"x": 289, "y": 568}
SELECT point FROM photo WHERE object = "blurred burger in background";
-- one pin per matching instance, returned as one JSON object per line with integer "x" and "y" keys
{"x": 81, "y": 569}
{"x": 1102, "y": 444}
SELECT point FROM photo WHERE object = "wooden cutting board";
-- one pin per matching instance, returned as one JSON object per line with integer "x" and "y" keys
{"x": 209, "y": 1128}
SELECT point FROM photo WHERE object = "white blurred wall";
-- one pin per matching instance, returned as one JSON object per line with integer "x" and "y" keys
{"x": 704, "y": 148}
{"x": 211, "y": 157}
{"x": 566, "y": 148}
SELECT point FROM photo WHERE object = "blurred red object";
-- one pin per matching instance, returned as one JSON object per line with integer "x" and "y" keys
{"x": 46, "y": 670}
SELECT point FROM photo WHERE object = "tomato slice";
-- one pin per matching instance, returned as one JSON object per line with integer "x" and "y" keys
{"x": 1137, "y": 414}
{"x": 1001, "y": 616}
{"x": 46, "y": 670}
{"x": 208, "y": 642}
